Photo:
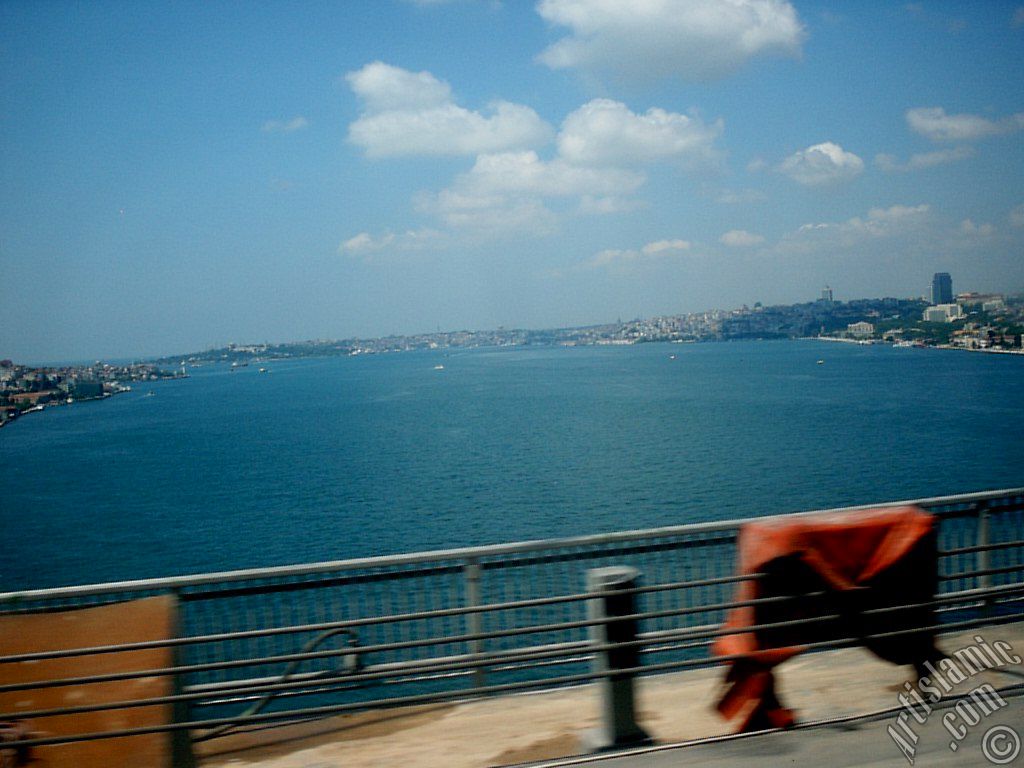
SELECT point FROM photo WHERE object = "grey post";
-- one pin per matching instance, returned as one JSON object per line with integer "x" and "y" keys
{"x": 618, "y": 727}
{"x": 982, "y": 560}
{"x": 474, "y": 621}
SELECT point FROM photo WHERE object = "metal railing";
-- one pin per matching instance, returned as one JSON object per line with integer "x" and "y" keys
{"x": 296, "y": 642}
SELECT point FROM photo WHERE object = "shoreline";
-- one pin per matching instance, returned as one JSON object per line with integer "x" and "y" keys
{"x": 879, "y": 342}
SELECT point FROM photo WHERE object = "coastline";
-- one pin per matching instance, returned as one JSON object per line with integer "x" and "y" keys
{"x": 880, "y": 342}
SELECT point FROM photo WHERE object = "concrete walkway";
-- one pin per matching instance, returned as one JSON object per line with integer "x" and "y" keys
{"x": 861, "y": 743}
{"x": 674, "y": 708}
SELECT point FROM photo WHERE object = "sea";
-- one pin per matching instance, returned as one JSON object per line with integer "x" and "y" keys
{"x": 331, "y": 458}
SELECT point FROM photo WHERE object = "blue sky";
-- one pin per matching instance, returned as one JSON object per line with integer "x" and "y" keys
{"x": 176, "y": 176}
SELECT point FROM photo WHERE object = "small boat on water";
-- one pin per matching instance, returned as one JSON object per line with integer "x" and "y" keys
{"x": 821, "y": 362}
{"x": 438, "y": 367}
{"x": 263, "y": 370}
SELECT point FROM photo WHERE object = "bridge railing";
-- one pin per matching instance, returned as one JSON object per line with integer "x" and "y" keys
{"x": 304, "y": 641}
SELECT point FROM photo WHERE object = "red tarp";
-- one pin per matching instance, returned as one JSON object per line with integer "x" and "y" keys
{"x": 861, "y": 560}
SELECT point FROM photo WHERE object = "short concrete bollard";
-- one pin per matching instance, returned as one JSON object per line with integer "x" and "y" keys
{"x": 618, "y": 728}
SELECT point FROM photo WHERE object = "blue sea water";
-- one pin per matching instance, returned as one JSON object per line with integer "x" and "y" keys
{"x": 343, "y": 457}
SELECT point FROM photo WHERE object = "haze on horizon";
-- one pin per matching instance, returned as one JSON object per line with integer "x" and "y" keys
{"x": 179, "y": 176}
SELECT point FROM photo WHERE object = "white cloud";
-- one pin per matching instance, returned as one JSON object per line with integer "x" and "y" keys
{"x": 656, "y": 250}
{"x": 1017, "y": 216}
{"x": 740, "y": 196}
{"x": 514, "y": 185}
{"x": 365, "y": 242}
{"x": 824, "y": 163}
{"x": 740, "y": 238}
{"x": 285, "y": 126}
{"x": 688, "y": 39}
{"x": 917, "y": 162}
{"x": 489, "y": 215}
{"x": 968, "y": 227}
{"x": 935, "y": 124}
{"x": 879, "y": 222}
{"x": 601, "y": 150}
{"x": 606, "y": 132}
{"x": 385, "y": 88}
{"x": 602, "y": 206}
{"x": 412, "y": 113}
{"x": 366, "y": 245}
{"x": 526, "y": 173}
{"x": 665, "y": 247}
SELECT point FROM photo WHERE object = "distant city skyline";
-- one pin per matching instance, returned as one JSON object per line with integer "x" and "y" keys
{"x": 178, "y": 177}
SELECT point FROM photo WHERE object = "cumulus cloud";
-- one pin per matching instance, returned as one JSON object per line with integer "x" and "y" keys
{"x": 364, "y": 242}
{"x": 478, "y": 213}
{"x": 923, "y": 160}
{"x": 606, "y": 132}
{"x": 825, "y": 163}
{"x": 526, "y": 173}
{"x": 968, "y": 227}
{"x": 514, "y": 185}
{"x": 413, "y": 113}
{"x": 740, "y": 238}
{"x": 601, "y": 151}
{"x": 935, "y": 124}
{"x": 740, "y": 196}
{"x": 757, "y": 165}
{"x": 366, "y": 245}
{"x": 384, "y": 88}
{"x": 1017, "y": 216}
{"x": 601, "y": 206}
{"x": 285, "y": 126}
{"x": 687, "y": 39}
{"x": 879, "y": 222}
{"x": 665, "y": 247}
{"x": 655, "y": 250}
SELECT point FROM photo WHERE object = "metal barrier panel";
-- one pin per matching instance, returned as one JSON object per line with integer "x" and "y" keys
{"x": 351, "y": 648}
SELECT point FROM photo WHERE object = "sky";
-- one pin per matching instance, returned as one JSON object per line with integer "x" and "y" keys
{"x": 177, "y": 176}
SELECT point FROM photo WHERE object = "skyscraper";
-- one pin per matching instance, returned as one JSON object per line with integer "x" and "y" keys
{"x": 942, "y": 288}
{"x": 826, "y": 293}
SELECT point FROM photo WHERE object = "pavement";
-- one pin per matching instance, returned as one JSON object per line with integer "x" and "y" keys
{"x": 995, "y": 740}
{"x": 548, "y": 728}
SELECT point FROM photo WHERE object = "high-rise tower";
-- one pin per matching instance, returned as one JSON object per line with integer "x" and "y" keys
{"x": 942, "y": 288}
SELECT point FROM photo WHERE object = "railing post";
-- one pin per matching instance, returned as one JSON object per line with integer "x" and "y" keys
{"x": 618, "y": 727}
{"x": 474, "y": 620}
{"x": 182, "y": 755}
{"x": 982, "y": 561}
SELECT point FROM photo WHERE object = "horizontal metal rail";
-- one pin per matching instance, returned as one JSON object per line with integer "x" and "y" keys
{"x": 332, "y": 709}
{"x": 369, "y": 621}
{"x": 532, "y": 629}
{"x": 424, "y": 618}
{"x": 982, "y": 548}
{"x": 471, "y": 661}
{"x": 477, "y": 553}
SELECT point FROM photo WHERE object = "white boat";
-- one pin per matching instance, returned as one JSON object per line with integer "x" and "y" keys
{"x": 438, "y": 367}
